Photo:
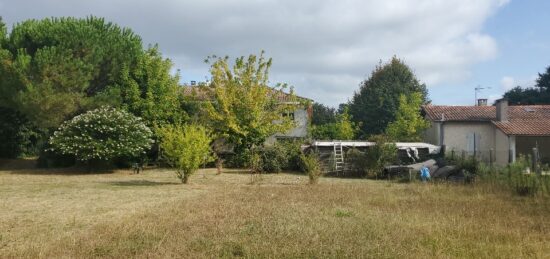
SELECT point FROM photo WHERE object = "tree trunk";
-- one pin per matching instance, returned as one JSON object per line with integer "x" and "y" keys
{"x": 185, "y": 178}
{"x": 219, "y": 166}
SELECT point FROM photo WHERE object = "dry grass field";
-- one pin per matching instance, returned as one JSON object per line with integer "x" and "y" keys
{"x": 57, "y": 213}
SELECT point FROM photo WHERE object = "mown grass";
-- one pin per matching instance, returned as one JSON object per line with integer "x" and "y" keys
{"x": 44, "y": 214}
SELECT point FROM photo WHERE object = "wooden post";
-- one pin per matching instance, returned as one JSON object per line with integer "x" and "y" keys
{"x": 535, "y": 160}
{"x": 491, "y": 157}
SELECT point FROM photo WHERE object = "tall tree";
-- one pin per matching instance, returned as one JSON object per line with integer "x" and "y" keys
{"x": 376, "y": 103}
{"x": 56, "y": 63}
{"x": 55, "y": 68}
{"x": 342, "y": 128}
{"x": 322, "y": 114}
{"x": 244, "y": 108}
{"x": 543, "y": 82}
{"x": 152, "y": 92}
{"x": 409, "y": 123}
{"x": 540, "y": 94}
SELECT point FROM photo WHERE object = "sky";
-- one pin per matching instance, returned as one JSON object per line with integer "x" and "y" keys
{"x": 326, "y": 48}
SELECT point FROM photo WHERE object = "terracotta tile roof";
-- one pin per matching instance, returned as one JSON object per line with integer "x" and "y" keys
{"x": 459, "y": 113}
{"x": 525, "y": 128}
{"x": 531, "y": 120}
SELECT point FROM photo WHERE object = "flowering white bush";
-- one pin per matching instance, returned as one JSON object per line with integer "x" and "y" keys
{"x": 102, "y": 134}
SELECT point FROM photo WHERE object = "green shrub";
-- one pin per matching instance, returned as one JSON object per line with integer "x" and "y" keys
{"x": 18, "y": 136}
{"x": 185, "y": 147}
{"x": 380, "y": 155}
{"x": 312, "y": 166}
{"x": 515, "y": 177}
{"x": 292, "y": 149}
{"x": 102, "y": 135}
{"x": 357, "y": 162}
{"x": 282, "y": 155}
{"x": 240, "y": 159}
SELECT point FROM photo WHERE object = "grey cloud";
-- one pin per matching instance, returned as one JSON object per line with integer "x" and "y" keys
{"x": 323, "y": 48}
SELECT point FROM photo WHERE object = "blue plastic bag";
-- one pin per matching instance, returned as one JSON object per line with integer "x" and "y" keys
{"x": 425, "y": 173}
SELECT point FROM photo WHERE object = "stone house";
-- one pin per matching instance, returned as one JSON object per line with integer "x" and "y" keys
{"x": 496, "y": 134}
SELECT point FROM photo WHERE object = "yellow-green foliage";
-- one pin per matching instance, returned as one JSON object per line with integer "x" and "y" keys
{"x": 312, "y": 166}
{"x": 343, "y": 128}
{"x": 409, "y": 123}
{"x": 244, "y": 108}
{"x": 185, "y": 147}
{"x": 380, "y": 155}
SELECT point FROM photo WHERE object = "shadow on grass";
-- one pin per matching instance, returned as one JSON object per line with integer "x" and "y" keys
{"x": 139, "y": 183}
{"x": 59, "y": 171}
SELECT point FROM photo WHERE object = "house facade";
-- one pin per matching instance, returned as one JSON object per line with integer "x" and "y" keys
{"x": 496, "y": 134}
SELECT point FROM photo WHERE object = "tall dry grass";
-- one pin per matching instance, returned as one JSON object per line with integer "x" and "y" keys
{"x": 149, "y": 215}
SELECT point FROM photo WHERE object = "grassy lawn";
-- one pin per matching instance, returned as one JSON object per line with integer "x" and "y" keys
{"x": 55, "y": 213}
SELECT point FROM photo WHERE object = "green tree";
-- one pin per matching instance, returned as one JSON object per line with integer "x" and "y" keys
{"x": 409, "y": 123}
{"x": 342, "y": 129}
{"x": 380, "y": 155}
{"x": 102, "y": 135}
{"x": 151, "y": 92}
{"x": 244, "y": 109}
{"x": 56, "y": 64}
{"x": 186, "y": 148}
{"x": 376, "y": 103}
{"x": 322, "y": 114}
{"x": 543, "y": 81}
{"x": 540, "y": 94}
{"x": 18, "y": 137}
{"x": 55, "y": 68}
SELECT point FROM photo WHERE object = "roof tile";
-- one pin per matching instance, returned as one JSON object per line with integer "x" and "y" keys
{"x": 529, "y": 120}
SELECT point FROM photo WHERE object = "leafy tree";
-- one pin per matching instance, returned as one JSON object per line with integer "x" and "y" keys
{"x": 322, "y": 114}
{"x": 244, "y": 109}
{"x": 101, "y": 135}
{"x": 151, "y": 92}
{"x": 342, "y": 129}
{"x": 380, "y": 155}
{"x": 376, "y": 103}
{"x": 185, "y": 148}
{"x": 526, "y": 96}
{"x": 55, "y": 68}
{"x": 540, "y": 94}
{"x": 409, "y": 123}
{"x": 56, "y": 64}
{"x": 543, "y": 82}
{"x": 311, "y": 166}
{"x": 18, "y": 137}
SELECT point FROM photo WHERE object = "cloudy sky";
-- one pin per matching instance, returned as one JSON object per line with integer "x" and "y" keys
{"x": 325, "y": 48}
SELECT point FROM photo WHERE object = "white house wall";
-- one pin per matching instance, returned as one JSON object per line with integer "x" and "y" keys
{"x": 502, "y": 147}
{"x": 301, "y": 121}
{"x": 457, "y": 134}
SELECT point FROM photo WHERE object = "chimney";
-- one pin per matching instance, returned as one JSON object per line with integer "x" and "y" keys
{"x": 481, "y": 102}
{"x": 502, "y": 109}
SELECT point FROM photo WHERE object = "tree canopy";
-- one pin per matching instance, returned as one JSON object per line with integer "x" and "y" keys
{"x": 244, "y": 109}
{"x": 376, "y": 103}
{"x": 322, "y": 114}
{"x": 409, "y": 123}
{"x": 540, "y": 94}
{"x": 341, "y": 129}
{"x": 55, "y": 68}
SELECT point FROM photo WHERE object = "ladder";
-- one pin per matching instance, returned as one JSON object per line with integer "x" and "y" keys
{"x": 338, "y": 157}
